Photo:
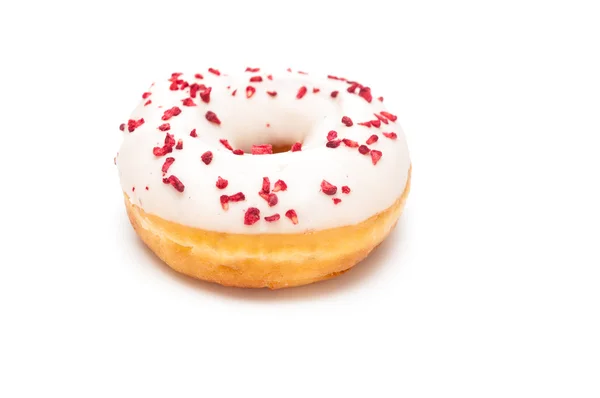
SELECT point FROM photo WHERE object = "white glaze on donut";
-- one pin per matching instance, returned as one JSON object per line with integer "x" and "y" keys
{"x": 255, "y": 117}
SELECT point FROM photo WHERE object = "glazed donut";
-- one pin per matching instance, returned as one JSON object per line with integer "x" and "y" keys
{"x": 260, "y": 179}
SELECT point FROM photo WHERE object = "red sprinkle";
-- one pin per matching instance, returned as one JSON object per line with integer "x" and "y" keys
{"x": 279, "y": 186}
{"x": 376, "y": 123}
{"x": 198, "y": 76}
{"x": 146, "y": 95}
{"x": 391, "y": 136}
{"x": 253, "y": 70}
{"x": 233, "y": 198}
{"x": 147, "y": 102}
{"x": 161, "y": 151}
{"x": 266, "y": 185}
{"x": 207, "y": 157}
{"x": 147, "y": 189}
{"x": 238, "y": 197}
{"x": 266, "y": 149}
{"x": 272, "y": 93}
{"x": 301, "y": 92}
{"x": 291, "y": 214}
{"x": 122, "y": 127}
{"x": 336, "y": 201}
{"x": 174, "y": 86}
{"x": 169, "y": 113}
{"x": 274, "y": 217}
{"x": 168, "y": 162}
{"x": 250, "y": 91}
{"x": 174, "y": 181}
{"x": 212, "y": 117}
{"x": 233, "y": 92}
{"x": 380, "y": 99}
{"x": 332, "y": 135}
{"x": 350, "y": 143}
{"x": 256, "y": 79}
{"x": 333, "y": 144}
{"x": 170, "y": 140}
{"x": 214, "y": 71}
{"x": 133, "y": 189}
{"x": 252, "y": 216}
{"x": 182, "y": 84}
{"x": 134, "y": 124}
{"x": 238, "y": 152}
{"x": 179, "y": 144}
{"x": 347, "y": 121}
{"x": 195, "y": 87}
{"x": 302, "y": 73}
{"x": 346, "y": 189}
{"x": 205, "y": 95}
{"x": 334, "y": 94}
{"x": 352, "y": 88}
{"x": 366, "y": 124}
{"x": 381, "y": 118}
{"x": 363, "y": 149}
{"x": 193, "y": 133}
{"x": 188, "y": 102}
{"x": 289, "y": 69}
{"x": 164, "y": 127}
{"x": 222, "y": 183}
{"x": 328, "y": 188}
{"x": 388, "y": 115}
{"x": 226, "y": 144}
{"x": 271, "y": 198}
{"x": 316, "y": 90}
{"x": 375, "y": 156}
{"x": 270, "y": 77}
{"x": 166, "y": 148}
{"x": 297, "y": 147}
{"x": 372, "y": 139}
{"x": 365, "y": 93}
{"x": 224, "y": 199}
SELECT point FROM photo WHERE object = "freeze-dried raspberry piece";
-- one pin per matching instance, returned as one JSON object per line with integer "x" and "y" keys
{"x": 291, "y": 214}
{"x": 372, "y": 139}
{"x": 296, "y": 147}
{"x": 207, "y": 157}
{"x": 212, "y": 117}
{"x": 375, "y": 156}
{"x": 252, "y": 216}
{"x": 347, "y": 121}
{"x": 274, "y": 217}
{"x": 221, "y": 183}
{"x": 174, "y": 182}
{"x": 279, "y": 186}
{"x": 328, "y": 188}
{"x": 265, "y": 149}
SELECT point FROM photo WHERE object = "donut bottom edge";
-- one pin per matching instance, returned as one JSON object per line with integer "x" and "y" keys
{"x": 273, "y": 261}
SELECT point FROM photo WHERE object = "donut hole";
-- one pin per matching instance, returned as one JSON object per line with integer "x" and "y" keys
{"x": 277, "y": 147}
{"x": 280, "y": 143}
{"x": 277, "y": 123}
{"x": 282, "y": 148}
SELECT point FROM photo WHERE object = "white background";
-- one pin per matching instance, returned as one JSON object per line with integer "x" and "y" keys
{"x": 489, "y": 287}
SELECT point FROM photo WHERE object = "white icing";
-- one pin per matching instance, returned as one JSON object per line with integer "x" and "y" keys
{"x": 243, "y": 122}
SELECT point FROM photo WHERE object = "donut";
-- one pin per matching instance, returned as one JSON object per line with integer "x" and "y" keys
{"x": 258, "y": 179}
